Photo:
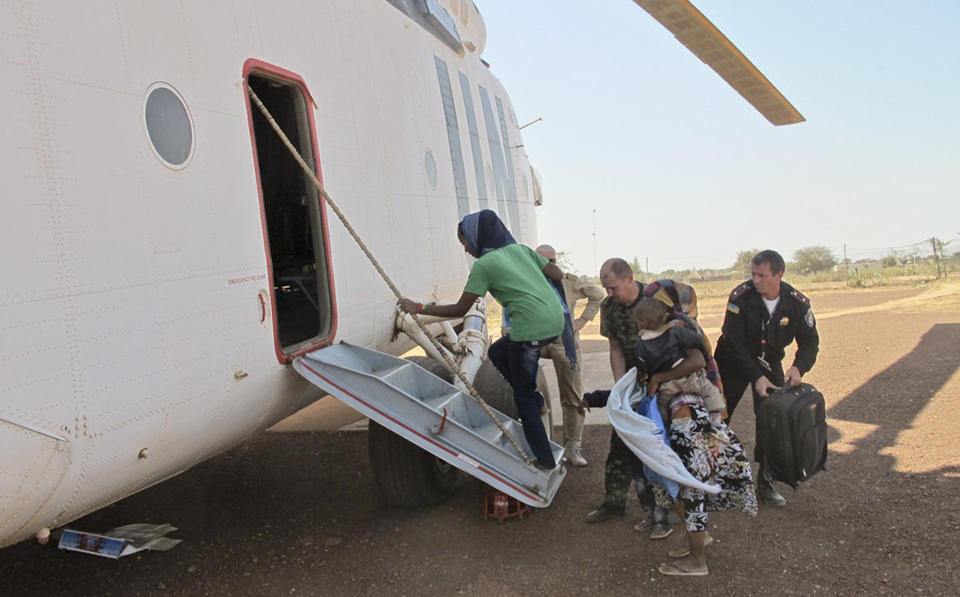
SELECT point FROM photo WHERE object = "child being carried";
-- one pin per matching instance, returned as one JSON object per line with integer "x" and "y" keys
{"x": 670, "y": 356}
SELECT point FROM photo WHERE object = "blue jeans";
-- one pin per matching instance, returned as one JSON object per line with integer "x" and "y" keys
{"x": 518, "y": 363}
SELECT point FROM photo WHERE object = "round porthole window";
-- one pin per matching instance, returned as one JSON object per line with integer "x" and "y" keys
{"x": 430, "y": 165}
{"x": 168, "y": 125}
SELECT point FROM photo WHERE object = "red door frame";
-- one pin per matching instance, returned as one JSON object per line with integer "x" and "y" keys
{"x": 255, "y": 66}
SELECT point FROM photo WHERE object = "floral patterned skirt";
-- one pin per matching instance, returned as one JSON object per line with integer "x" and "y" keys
{"x": 712, "y": 453}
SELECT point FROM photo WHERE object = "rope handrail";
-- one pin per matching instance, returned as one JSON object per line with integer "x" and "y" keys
{"x": 383, "y": 274}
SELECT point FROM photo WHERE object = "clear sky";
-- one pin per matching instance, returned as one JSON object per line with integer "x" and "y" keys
{"x": 683, "y": 172}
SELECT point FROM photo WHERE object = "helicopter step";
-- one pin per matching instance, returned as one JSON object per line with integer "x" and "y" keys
{"x": 434, "y": 415}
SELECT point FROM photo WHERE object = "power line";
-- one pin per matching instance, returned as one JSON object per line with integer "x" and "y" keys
{"x": 900, "y": 248}
{"x": 918, "y": 244}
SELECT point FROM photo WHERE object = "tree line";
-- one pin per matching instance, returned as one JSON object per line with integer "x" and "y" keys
{"x": 815, "y": 259}
{"x": 808, "y": 260}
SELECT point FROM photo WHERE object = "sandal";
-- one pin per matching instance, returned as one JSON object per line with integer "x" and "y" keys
{"x": 659, "y": 532}
{"x": 669, "y": 569}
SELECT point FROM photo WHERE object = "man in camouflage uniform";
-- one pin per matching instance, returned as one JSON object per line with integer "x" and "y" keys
{"x": 618, "y": 326}
{"x": 568, "y": 380}
{"x": 765, "y": 315}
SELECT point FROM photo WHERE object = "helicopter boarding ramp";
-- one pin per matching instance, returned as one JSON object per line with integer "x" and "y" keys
{"x": 434, "y": 415}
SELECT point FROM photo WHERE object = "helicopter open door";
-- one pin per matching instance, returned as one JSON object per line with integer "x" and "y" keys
{"x": 294, "y": 219}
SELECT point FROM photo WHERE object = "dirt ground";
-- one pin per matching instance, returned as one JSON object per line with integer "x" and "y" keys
{"x": 297, "y": 513}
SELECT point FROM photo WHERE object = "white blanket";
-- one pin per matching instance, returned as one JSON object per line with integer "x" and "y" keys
{"x": 642, "y": 436}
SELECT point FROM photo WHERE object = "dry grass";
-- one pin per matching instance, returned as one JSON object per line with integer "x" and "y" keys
{"x": 936, "y": 296}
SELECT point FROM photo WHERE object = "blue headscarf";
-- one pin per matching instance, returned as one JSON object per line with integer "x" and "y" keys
{"x": 484, "y": 231}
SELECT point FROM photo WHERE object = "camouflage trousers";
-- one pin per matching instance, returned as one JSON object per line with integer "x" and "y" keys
{"x": 622, "y": 470}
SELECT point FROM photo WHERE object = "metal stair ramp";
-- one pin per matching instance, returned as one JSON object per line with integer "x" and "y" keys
{"x": 434, "y": 415}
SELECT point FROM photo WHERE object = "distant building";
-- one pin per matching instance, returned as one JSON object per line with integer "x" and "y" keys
{"x": 860, "y": 266}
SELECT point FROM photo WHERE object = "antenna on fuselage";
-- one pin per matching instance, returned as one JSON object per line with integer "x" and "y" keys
{"x": 540, "y": 119}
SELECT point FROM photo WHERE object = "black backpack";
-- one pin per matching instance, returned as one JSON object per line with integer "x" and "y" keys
{"x": 792, "y": 434}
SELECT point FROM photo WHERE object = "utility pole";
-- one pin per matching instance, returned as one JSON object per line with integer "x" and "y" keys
{"x": 646, "y": 267}
{"x": 943, "y": 259}
{"x": 844, "y": 260}
{"x": 936, "y": 257}
{"x": 595, "y": 267}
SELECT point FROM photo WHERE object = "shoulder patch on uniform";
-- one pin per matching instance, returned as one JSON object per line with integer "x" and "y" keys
{"x": 809, "y": 319}
{"x": 799, "y": 296}
{"x": 733, "y": 308}
{"x": 739, "y": 290}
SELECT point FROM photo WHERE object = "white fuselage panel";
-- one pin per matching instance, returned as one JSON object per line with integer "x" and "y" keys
{"x": 130, "y": 318}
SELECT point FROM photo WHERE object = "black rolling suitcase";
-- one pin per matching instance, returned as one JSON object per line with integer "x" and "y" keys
{"x": 792, "y": 434}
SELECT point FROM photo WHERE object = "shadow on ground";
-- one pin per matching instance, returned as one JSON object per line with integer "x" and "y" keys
{"x": 893, "y": 398}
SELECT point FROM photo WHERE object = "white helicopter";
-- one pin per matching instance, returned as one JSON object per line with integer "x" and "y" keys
{"x": 166, "y": 259}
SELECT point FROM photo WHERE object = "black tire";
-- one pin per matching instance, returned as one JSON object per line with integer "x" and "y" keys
{"x": 496, "y": 392}
{"x": 409, "y": 477}
{"x": 434, "y": 367}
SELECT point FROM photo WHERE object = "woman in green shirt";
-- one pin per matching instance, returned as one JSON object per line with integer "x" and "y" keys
{"x": 517, "y": 277}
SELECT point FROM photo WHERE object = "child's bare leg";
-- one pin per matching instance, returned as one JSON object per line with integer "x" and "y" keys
{"x": 678, "y": 508}
{"x": 663, "y": 405}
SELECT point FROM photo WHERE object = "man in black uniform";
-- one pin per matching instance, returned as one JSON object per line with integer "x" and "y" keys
{"x": 764, "y": 315}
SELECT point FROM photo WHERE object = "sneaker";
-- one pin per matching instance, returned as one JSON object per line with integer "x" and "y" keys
{"x": 659, "y": 518}
{"x": 605, "y": 512}
{"x": 575, "y": 457}
{"x": 770, "y": 496}
{"x": 660, "y": 532}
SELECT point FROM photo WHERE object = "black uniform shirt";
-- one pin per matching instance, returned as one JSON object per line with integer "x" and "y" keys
{"x": 747, "y": 323}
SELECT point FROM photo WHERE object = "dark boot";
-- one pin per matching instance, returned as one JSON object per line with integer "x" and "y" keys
{"x": 767, "y": 494}
{"x": 605, "y": 512}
